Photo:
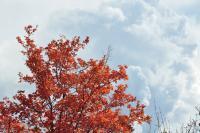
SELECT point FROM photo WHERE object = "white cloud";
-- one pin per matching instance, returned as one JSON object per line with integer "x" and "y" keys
{"x": 177, "y": 3}
{"x": 114, "y": 13}
{"x": 138, "y": 128}
{"x": 138, "y": 84}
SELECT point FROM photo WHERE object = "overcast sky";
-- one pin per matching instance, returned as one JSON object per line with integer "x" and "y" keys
{"x": 158, "y": 39}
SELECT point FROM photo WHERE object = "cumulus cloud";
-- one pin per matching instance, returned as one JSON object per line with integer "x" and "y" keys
{"x": 177, "y": 3}
{"x": 138, "y": 84}
{"x": 114, "y": 13}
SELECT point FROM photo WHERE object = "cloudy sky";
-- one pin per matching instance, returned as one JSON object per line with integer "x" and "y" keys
{"x": 158, "y": 39}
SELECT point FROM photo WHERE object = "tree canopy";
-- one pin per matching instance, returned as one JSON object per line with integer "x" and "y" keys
{"x": 71, "y": 94}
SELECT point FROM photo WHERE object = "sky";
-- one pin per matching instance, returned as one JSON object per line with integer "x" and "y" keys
{"x": 158, "y": 39}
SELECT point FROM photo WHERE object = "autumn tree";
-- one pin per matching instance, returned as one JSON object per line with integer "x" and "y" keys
{"x": 71, "y": 94}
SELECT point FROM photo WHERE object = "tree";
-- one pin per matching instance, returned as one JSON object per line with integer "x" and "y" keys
{"x": 71, "y": 94}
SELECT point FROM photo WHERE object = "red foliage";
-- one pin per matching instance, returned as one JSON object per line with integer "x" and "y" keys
{"x": 71, "y": 95}
{"x": 7, "y": 121}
